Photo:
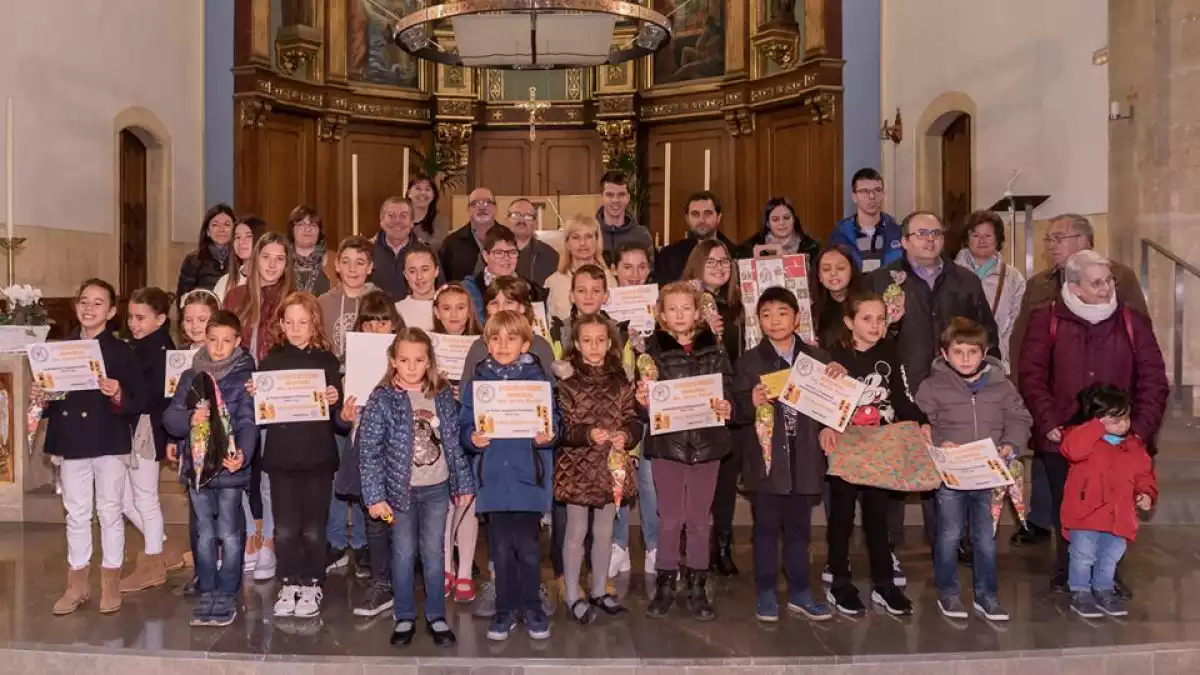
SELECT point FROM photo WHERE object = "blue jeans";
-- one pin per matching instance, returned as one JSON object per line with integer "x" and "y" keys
{"x": 219, "y": 518}
{"x": 421, "y": 530}
{"x": 955, "y": 508}
{"x": 513, "y": 537}
{"x": 647, "y": 509}
{"x": 1094, "y": 558}
{"x": 342, "y": 512}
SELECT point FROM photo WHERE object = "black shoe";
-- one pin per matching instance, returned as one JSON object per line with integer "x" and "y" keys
{"x": 362, "y": 563}
{"x": 440, "y": 631}
{"x": 722, "y": 556}
{"x": 1029, "y": 535}
{"x": 191, "y": 588}
{"x": 893, "y": 600}
{"x": 582, "y": 612}
{"x": 965, "y": 554}
{"x": 402, "y": 634}
{"x": 608, "y": 604}
{"x": 378, "y": 600}
{"x": 1120, "y": 588}
{"x": 664, "y": 593}
{"x": 845, "y": 599}
{"x": 1059, "y": 583}
{"x": 698, "y": 603}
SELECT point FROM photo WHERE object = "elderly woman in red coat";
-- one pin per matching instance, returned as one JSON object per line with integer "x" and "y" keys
{"x": 1087, "y": 336}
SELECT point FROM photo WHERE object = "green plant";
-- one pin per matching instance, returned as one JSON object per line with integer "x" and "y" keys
{"x": 440, "y": 164}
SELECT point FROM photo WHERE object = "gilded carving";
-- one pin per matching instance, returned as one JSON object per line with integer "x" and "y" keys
{"x": 332, "y": 128}
{"x": 783, "y": 90}
{"x": 615, "y": 75}
{"x": 575, "y": 84}
{"x": 675, "y": 108}
{"x": 615, "y": 105}
{"x": 455, "y": 77}
{"x": 454, "y": 107}
{"x": 298, "y": 51}
{"x": 821, "y": 107}
{"x": 495, "y": 85}
{"x": 252, "y": 113}
{"x": 385, "y": 111}
{"x": 780, "y": 44}
{"x": 289, "y": 60}
{"x": 740, "y": 122}
{"x": 454, "y": 141}
{"x": 618, "y": 139}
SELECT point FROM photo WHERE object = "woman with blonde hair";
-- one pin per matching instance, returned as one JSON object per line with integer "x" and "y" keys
{"x": 581, "y": 235}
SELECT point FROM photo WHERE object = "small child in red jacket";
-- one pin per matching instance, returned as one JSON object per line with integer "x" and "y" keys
{"x": 1111, "y": 476}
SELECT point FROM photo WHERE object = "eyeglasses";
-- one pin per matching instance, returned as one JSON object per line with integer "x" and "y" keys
{"x": 718, "y": 263}
{"x": 527, "y": 217}
{"x": 928, "y": 235}
{"x": 481, "y": 203}
{"x": 874, "y": 192}
{"x": 982, "y": 236}
{"x": 1059, "y": 238}
{"x": 307, "y": 225}
{"x": 503, "y": 253}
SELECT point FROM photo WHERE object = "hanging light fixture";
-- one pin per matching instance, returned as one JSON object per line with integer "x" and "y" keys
{"x": 526, "y": 34}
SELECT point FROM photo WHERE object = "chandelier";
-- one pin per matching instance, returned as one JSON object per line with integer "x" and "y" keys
{"x": 526, "y": 34}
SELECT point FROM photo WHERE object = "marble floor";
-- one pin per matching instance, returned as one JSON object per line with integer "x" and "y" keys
{"x": 1161, "y": 567}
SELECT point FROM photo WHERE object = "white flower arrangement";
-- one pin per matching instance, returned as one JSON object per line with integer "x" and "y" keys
{"x": 22, "y": 295}
{"x": 21, "y": 305}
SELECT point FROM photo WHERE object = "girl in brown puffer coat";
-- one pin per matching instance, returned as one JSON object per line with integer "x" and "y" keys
{"x": 593, "y": 470}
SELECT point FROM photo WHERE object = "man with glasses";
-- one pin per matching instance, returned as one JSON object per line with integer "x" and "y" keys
{"x": 460, "y": 251}
{"x": 617, "y": 224}
{"x": 702, "y": 211}
{"x": 538, "y": 260}
{"x": 395, "y": 235}
{"x": 500, "y": 254}
{"x": 870, "y": 234}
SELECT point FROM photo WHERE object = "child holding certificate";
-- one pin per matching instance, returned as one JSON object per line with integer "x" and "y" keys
{"x": 872, "y": 359}
{"x": 593, "y": 469}
{"x": 89, "y": 432}
{"x": 513, "y": 477}
{"x": 301, "y": 458}
{"x": 685, "y": 462}
{"x": 412, "y": 468}
{"x": 968, "y": 398}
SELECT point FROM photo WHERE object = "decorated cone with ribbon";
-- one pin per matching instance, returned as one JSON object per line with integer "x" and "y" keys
{"x": 764, "y": 428}
{"x": 1012, "y": 492}
{"x": 616, "y": 466}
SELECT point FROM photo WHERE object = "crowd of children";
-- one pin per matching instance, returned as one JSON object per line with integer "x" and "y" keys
{"x": 404, "y": 478}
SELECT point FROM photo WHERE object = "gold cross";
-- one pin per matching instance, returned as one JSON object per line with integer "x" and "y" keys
{"x": 533, "y": 106}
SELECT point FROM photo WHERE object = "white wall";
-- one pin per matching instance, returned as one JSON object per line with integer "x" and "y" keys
{"x": 71, "y": 66}
{"x": 1027, "y": 64}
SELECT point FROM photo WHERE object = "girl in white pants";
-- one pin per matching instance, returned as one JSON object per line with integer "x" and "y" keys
{"x": 88, "y": 432}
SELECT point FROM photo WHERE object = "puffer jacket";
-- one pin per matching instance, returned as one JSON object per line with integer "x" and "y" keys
{"x": 151, "y": 354}
{"x": 177, "y": 420}
{"x": 959, "y": 416}
{"x": 385, "y": 446}
{"x": 511, "y": 474}
{"x": 593, "y": 397}
{"x": 1104, "y": 481}
{"x": 200, "y": 271}
{"x": 707, "y": 357}
{"x": 1009, "y": 306}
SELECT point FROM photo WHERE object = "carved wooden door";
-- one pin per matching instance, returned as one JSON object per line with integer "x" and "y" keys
{"x": 956, "y": 181}
{"x": 133, "y": 213}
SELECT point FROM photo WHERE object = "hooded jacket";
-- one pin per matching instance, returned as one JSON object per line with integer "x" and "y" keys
{"x": 511, "y": 474}
{"x": 959, "y": 416}
{"x": 706, "y": 357}
{"x": 612, "y": 236}
{"x": 884, "y": 246}
{"x": 1104, "y": 481}
{"x": 594, "y": 397}
{"x": 151, "y": 355}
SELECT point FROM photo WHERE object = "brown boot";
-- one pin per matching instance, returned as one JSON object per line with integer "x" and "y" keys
{"x": 110, "y": 590}
{"x": 150, "y": 572}
{"x": 173, "y": 555}
{"x": 77, "y": 592}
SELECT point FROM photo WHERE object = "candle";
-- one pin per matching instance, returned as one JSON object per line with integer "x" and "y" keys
{"x": 1114, "y": 110}
{"x": 707, "y": 169}
{"x": 667, "y": 196}
{"x": 354, "y": 192}
{"x": 405, "y": 183}
{"x": 9, "y": 171}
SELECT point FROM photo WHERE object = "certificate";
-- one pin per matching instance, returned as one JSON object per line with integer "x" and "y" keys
{"x": 774, "y": 382}
{"x": 512, "y": 409}
{"x": 974, "y": 466}
{"x": 541, "y": 322}
{"x": 685, "y": 403}
{"x": 178, "y": 362}
{"x": 15, "y": 339}
{"x": 634, "y": 304}
{"x": 451, "y": 353}
{"x": 366, "y": 363}
{"x": 828, "y": 401}
{"x": 289, "y": 396}
{"x": 74, "y": 365}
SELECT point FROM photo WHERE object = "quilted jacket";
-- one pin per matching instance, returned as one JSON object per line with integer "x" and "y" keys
{"x": 707, "y": 357}
{"x": 592, "y": 397}
{"x": 385, "y": 446}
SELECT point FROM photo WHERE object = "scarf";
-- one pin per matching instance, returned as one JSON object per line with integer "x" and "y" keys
{"x": 985, "y": 269}
{"x": 203, "y": 363}
{"x": 308, "y": 268}
{"x": 1092, "y": 314}
{"x": 789, "y": 244}
{"x": 219, "y": 253}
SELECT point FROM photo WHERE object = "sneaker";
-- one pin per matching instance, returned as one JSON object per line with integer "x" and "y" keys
{"x": 827, "y": 575}
{"x": 265, "y": 569}
{"x": 378, "y": 600}
{"x": 1084, "y": 604}
{"x": 651, "y": 563}
{"x": 547, "y": 601}
{"x": 502, "y": 625}
{"x": 202, "y": 612}
{"x": 952, "y": 606}
{"x": 253, "y": 546}
{"x": 804, "y": 604}
{"x": 990, "y": 608}
{"x": 618, "y": 562}
{"x": 1030, "y": 535}
{"x": 1111, "y": 603}
{"x": 224, "y": 610}
{"x": 1059, "y": 583}
{"x": 766, "y": 607}
{"x": 893, "y": 600}
{"x": 362, "y": 563}
{"x": 338, "y": 560}
{"x": 846, "y": 600}
{"x": 485, "y": 602}
{"x": 308, "y": 604}
{"x": 285, "y": 604}
{"x": 538, "y": 625}
{"x": 898, "y": 577}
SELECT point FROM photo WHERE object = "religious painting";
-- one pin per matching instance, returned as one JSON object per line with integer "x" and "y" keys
{"x": 372, "y": 55}
{"x": 697, "y": 47}
{"x": 8, "y": 448}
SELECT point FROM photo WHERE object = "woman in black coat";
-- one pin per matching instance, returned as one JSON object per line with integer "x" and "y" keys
{"x": 205, "y": 266}
{"x": 781, "y": 230}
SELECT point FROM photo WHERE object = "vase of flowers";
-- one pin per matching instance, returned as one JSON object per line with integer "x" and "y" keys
{"x": 21, "y": 305}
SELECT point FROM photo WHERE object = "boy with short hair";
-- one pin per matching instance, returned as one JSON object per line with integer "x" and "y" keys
{"x": 214, "y": 416}
{"x": 513, "y": 503}
{"x": 784, "y": 491}
{"x": 968, "y": 398}
{"x": 500, "y": 253}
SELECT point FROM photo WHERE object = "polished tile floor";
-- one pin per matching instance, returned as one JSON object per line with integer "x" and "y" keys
{"x": 1162, "y": 569}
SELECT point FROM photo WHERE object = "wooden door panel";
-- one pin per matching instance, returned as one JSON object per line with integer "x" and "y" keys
{"x": 956, "y": 180}
{"x": 380, "y": 175}
{"x": 688, "y": 144}
{"x": 570, "y": 166}
{"x": 133, "y": 232}
{"x": 284, "y": 168}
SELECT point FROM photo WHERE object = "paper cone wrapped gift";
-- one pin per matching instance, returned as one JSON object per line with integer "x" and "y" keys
{"x": 894, "y": 457}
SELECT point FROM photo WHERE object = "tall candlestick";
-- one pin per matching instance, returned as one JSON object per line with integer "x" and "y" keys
{"x": 707, "y": 169}
{"x": 354, "y": 192}
{"x": 405, "y": 183}
{"x": 667, "y": 196}
{"x": 9, "y": 172}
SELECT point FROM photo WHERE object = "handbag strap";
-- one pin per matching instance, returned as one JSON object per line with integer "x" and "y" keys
{"x": 999, "y": 288}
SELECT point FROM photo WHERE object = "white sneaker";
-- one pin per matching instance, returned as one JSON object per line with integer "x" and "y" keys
{"x": 619, "y": 561}
{"x": 309, "y": 602}
{"x": 285, "y": 605}
{"x": 898, "y": 577}
{"x": 265, "y": 567}
{"x": 651, "y": 564}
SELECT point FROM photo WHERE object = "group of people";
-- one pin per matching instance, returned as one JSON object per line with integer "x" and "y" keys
{"x": 949, "y": 351}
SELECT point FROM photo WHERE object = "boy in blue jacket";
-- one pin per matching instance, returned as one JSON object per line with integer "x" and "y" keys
{"x": 513, "y": 478}
{"x": 214, "y": 416}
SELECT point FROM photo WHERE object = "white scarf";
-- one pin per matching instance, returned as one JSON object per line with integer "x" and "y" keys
{"x": 1092, "y": 314}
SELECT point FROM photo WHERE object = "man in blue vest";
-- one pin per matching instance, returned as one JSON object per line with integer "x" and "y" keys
{"x": 872, "y": 236}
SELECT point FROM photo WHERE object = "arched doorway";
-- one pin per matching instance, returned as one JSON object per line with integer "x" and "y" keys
{"x": 957, "y": 173}
{"x": 133, "y": 193}
{"x": 946, "y": 162}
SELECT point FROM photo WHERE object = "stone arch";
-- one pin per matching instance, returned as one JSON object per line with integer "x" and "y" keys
{"x": 934, "y": 121}
{"x": 160, "y": 204}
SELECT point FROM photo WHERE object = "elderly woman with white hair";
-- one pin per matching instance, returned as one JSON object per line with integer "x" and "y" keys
{"x": 1087, "y": 336}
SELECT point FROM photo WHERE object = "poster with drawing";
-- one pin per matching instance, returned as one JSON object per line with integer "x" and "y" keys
{"x": 759, "y": 274}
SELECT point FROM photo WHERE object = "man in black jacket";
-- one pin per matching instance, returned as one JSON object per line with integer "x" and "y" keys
{"x": 703, "y": 214}
{"x": 617, "y": 224}
{"x": 460, "y": 250}
{"x": 395, "y": 235}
